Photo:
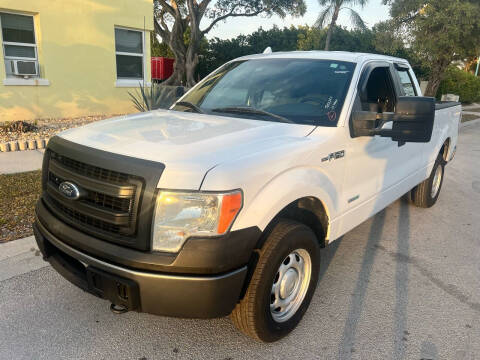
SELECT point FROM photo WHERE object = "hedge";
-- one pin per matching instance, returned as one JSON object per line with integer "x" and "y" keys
{"x": 461, "y": 83}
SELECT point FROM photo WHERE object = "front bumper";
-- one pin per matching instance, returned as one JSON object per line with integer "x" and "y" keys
{"x": 193, "y": 296}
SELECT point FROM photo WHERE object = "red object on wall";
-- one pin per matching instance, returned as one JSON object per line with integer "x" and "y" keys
{"x": 162, "y": 67}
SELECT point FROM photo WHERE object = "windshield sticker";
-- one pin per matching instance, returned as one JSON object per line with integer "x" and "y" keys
{"x": 329, "y": 102}
{"x": 333, "y": 65}
{"x": 334, "y": 105}
{"x": 332, "y": 116}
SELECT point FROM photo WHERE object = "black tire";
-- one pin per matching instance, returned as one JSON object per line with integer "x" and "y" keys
{"x": 252, "y": 314}
{"x": 421, "y": 195}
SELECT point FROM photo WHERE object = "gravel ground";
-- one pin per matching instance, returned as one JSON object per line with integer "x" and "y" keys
{"x": 46, "y": 128}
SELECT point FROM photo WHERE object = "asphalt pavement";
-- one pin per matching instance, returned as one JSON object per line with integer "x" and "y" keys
{"x": 403, "y": 285}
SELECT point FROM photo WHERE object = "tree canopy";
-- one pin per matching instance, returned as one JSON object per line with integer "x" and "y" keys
{"x": 330, "y": 15}
{"x": 180, "y": 19}
{"x": 439, "y": 32}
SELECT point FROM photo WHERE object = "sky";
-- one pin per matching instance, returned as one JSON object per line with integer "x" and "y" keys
{"x": 372, "y": 13}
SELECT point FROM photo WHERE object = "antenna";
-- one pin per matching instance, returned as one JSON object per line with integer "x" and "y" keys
{"x": 268, "y": 50}
{"x": 144, "y": 47}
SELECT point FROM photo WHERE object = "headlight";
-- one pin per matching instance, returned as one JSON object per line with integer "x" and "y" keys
{"x": 180, "y": 215}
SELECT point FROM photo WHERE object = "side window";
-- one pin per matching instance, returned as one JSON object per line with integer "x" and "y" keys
{"x": 19, "y": 45}
{"x": 380, "y": 94}
{"x": 129, "y": 54}
{"x": 406, "y": 82}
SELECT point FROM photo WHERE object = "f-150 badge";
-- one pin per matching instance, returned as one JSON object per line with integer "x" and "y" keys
{"x": 333, "y": 156}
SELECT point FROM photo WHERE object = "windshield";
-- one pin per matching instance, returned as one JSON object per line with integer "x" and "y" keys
{"x": 301, "y": 91}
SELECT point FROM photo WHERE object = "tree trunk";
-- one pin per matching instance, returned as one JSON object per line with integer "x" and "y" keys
{"x": 175, "y": 41}
{"x": 332, "y": 25}
{"x": 436, "y": 77}
{"x": 191, "y": 59}
{"x": 178, "y": 76}
{"x": 196, "y": 36}
{"x": 190, "y": 67}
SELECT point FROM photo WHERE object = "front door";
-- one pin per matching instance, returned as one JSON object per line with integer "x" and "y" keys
{"x": 376, "y": 166}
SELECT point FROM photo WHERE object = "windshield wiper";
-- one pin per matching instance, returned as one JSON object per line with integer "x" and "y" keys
{"x": 251, "y": 110}
{"x": 190, "y": 106}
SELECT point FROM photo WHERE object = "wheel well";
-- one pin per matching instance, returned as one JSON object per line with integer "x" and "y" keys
{"x": 309, "y": 211}
{"x": 445, "y": 148}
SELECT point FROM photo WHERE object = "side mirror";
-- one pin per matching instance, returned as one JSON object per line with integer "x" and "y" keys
{"x": 412, "y": 121}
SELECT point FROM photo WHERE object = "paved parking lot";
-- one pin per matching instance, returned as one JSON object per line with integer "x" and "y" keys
{"x": 403, "y": 285}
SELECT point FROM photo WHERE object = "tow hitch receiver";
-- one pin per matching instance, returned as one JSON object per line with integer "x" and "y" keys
{"x": 123, "y": 293}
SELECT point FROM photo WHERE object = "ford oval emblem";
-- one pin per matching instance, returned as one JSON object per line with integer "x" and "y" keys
{"x": 69, "y": 190}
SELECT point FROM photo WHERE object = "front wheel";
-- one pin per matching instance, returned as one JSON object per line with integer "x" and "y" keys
{"x": 426, "y": 193}
{"x": 282, "y": 284}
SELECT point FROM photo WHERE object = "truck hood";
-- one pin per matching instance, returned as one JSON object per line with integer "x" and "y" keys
{"x": 189, "y": 144}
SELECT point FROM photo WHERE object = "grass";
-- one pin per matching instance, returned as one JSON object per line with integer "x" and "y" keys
{"x": 469, "y": 117}
{"x": 18, "y": 195}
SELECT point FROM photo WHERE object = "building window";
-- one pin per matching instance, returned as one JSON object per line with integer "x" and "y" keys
{"x": 19, "y": 45}
{"x": 129, "y": 51}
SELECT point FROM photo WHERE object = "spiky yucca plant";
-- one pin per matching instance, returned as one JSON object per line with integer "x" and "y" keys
{"x": 156, "y": 96}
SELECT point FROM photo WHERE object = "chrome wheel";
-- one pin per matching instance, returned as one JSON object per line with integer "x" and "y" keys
{"x": 290, "y": 285}
{"x": 437, "y": 180}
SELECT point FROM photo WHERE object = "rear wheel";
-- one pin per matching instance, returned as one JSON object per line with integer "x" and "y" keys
{"x": 426, "y": 193}
{"x": 282, "y": 284}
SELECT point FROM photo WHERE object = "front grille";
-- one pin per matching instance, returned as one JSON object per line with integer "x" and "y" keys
{"x": 99, "y": 199}
{"x": 83, "y": 219}
{"x": 107, "y": 207}
{"x": 90, "y": 170}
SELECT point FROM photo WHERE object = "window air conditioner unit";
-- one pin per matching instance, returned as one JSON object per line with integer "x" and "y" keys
{"x": 24, "y": 68}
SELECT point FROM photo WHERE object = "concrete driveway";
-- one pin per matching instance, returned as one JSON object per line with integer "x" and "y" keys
{"x": 404, "y": 285}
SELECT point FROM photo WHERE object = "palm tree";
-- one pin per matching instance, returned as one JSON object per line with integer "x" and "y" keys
{"x": 333, "y": 8}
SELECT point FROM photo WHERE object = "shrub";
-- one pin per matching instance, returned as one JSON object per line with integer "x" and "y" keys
{"x": 461, "y": 83}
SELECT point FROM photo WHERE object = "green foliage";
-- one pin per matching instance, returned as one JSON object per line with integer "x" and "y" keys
{"x": 439, "y": 32}
{"x": 390, "y": 40}
{"x": 219, "y": 51}
{"x": 159, "y": 48}
{"x": 333, "y": 8}
{"x": 174, "y": 18}
{"x": 313, "y": 38}
{"x": 461, "y": 83}
{"x": 381, "y": 40}
{"x": 155, "y": 97}
{"x": 446, "y": 29}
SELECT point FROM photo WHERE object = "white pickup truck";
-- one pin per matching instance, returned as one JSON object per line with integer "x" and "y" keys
{"x": 221, "y": 204}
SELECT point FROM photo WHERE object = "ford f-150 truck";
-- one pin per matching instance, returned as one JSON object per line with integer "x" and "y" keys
{"x": 220, "y": 205}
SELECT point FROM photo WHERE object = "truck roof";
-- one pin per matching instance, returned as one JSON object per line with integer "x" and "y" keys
{"x": 327, "y": 55}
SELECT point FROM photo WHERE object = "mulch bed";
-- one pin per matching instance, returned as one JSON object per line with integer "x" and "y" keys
{"x": 18, "y": 195}
{"x": 42, "y": 128}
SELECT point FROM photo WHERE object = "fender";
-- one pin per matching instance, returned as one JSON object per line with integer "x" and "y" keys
{"x": 293, "y": 184}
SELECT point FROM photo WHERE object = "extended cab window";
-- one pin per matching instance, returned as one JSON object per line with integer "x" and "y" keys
{"x": 302, "y": 91}
{"x": 406, "y": 82}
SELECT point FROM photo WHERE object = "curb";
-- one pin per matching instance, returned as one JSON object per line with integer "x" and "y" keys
{"x": 469, "y": 123}
{"x": 19, "y": 257}
{"x": 23, "y": 145}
